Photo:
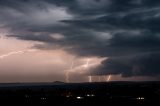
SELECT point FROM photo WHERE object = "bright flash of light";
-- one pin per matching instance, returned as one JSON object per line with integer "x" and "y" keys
{"x": 140, "y": 98}
{"x": 79, "y": 97}
{"x": 68, "y": 71}
{"x": 15, "y": 52}
{"x": 109, "y": 78}
{"x": 90, "y": 78}
{"x": 82, "y": 68}
{"x": 86, "y": 66}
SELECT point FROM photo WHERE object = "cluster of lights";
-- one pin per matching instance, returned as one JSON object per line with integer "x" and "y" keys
{"x": 140, "y": 98}
{"x": 81, "y": 97}
{"x": 43, "y": 98}
{"x": 90, "y": 95}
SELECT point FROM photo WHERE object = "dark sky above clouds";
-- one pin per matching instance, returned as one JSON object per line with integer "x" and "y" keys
{"x": 125, "y": 32}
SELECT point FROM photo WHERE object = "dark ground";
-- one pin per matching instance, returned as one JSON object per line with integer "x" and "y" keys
{"x": 82, "y": 94}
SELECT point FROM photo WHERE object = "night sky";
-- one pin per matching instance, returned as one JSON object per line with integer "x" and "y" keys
{"x": 79, "y": 40}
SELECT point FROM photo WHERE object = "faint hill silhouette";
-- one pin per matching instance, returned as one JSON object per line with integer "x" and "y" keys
{"x": 58, "y": 82}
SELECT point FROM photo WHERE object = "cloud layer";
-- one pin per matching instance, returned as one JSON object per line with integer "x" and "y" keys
{"x": 125, "y": 31}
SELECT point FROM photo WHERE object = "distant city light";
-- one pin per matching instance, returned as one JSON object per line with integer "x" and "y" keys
{"x": 140, "y": 98}
{"x": 67, "y": 96}
{"x": 79, "y": 97}
{"x": 27, "y": 96}
{"x": 90, "y": 95}
{"x": 43, "y": 98}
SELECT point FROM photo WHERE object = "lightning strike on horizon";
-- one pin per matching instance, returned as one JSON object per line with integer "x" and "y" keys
{"x": 87, "y": 63}
{"x": 79, "y": 69}
{"x": 90, "y": 78}
{"x": 15, "y": 52}
{"x": 109, "y": 77}
{"x": 68, "y": 71}
{"x": 86, "y": 66}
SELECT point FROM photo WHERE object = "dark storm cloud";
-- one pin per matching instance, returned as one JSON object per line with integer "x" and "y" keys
{"x": 138, "y": 65}
{"x": 126, "y": 31}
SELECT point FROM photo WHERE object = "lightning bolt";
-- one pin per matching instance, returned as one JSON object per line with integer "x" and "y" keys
{"x": 68, "y": 71}
{"x": 109, "y": 78}
{"x": 87, "y": 63}
{"x": 86, "y": 66}
{"x": 90, "y": 78}
{"x": 15, "y": 52}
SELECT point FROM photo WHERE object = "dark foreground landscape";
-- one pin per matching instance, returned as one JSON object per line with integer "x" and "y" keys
{"x": 83, "y": 94}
